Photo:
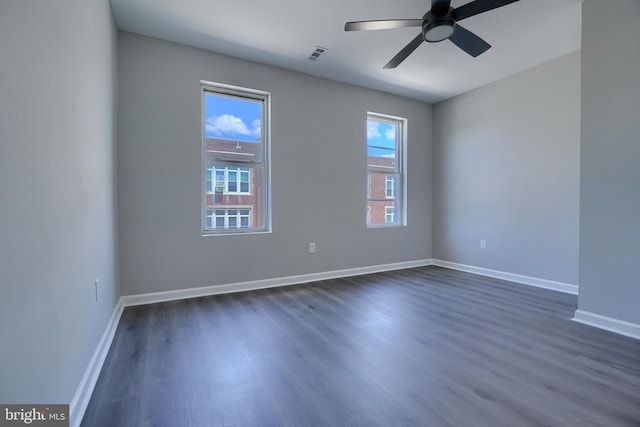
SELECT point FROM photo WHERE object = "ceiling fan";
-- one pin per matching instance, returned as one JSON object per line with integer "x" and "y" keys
{"x": 440, "y": 23}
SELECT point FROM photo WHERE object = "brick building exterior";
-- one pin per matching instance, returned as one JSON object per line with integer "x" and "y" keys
{"x": 382, "y": 191}
{"x": 233, "y": 173}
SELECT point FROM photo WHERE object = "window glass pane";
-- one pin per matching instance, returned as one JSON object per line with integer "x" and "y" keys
{"x": 209, "y": 220}
{"x": 235, "y": 148}
{"x": 237, "y": 121}
{"x": 219, "y": 177}
{"x": 232, "y": 185}
{"x": 209, "y": 179}
{"x": 382, "y": 146}
{"x": 384, "y": 169}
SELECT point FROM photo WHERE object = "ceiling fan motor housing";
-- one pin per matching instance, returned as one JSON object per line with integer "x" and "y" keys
{"x": 438, "y": 28}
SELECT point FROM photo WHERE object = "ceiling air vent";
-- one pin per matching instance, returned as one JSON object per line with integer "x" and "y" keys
{"x": 316, "y": 53}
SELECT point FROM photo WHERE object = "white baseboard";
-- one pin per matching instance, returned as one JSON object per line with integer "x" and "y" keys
{"x": 518, "y": 278}
{"x": 618, "y": 326}
{"x": 83, "y": 393}
{"x": 154, "y": 297}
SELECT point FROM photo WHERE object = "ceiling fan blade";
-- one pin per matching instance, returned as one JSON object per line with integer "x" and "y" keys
{"x": 468, "y": 41}
{"x": 405, "y": 52}
{"x": 478, "y": 6}
{"x": 440, "y": 7}
{"x": 384, "y": 24}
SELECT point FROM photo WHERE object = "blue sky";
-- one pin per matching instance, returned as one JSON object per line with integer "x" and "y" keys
{"x": 381, "y": 134}
{"x": 232, "y": 118}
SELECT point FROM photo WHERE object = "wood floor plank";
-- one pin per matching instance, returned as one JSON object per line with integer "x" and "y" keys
{"x": 424, "y": 346}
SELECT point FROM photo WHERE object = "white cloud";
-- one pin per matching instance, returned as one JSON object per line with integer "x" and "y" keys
{"x": 390, "y": 134}
{"x": 257, "y": 127}
{"x": 231, "y": 125}
{"x": 373, "y": 130}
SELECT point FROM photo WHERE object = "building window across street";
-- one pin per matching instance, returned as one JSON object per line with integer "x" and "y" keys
{"x": 228, "y": 180}
{"x": 389, "y": 215}
{"x": 224, "y": 219}
{"x": 390, "y": 186}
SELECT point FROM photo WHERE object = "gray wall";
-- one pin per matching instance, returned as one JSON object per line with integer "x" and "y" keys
{"x": 318, "y": 173}
{"x": 57, "y": 216}
{"x": 506, "y": 170}
{"x": 610, "y": 161}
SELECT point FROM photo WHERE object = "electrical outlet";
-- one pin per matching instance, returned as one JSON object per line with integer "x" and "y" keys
{"x": 483, "y": 244}
{"x": 95, "y": 284}
{"x": 312, "y": 247}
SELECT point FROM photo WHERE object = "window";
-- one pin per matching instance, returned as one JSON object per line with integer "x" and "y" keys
{"x": 389, "y": 215}
{"x": 235, "y": 123}
{"x": 228, "y": 180}
{"x": 385, "y": 170}
{"x": 390, "y": 186}
{"x": 225, "y": 219}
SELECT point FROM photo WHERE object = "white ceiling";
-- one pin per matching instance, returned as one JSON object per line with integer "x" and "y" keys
{"x": 284, "y": 33}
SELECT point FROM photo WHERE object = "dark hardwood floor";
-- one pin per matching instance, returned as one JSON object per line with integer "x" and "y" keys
{"x": 418, "y": 347}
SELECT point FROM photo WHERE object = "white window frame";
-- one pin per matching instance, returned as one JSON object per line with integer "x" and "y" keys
{"x": 253, "y": 95}
{"x": 400, "y": 170}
